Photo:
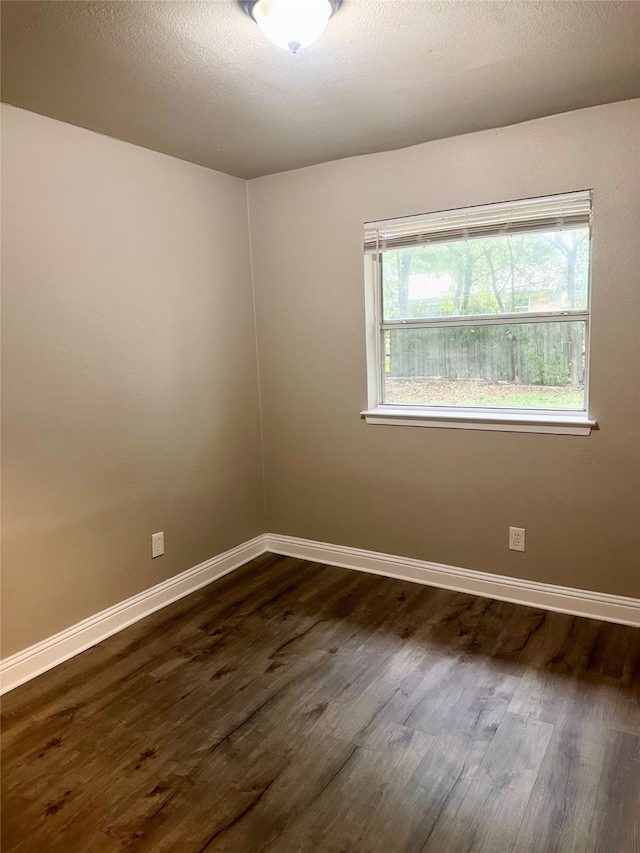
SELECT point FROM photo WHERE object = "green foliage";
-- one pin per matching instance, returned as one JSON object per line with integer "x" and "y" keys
{"x": 488, "y": 276}
{"x": 552, "y": 370}
{"x": 538, "y": 272}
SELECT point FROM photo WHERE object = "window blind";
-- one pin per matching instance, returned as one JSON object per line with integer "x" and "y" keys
{"x": 552, "y": 213}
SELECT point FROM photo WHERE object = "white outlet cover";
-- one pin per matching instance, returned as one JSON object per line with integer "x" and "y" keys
{"x": 157, "y": 544}
{"x": 516, "y": 538}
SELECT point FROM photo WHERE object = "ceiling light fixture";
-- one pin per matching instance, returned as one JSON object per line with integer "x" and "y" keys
{"x": 291, "y": 24}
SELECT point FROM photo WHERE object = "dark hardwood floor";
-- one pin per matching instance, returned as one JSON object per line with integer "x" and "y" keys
{"x": 297, "y": 707}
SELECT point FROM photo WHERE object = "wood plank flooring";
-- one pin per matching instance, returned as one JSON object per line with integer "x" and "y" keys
{"x": 295, "y": 708}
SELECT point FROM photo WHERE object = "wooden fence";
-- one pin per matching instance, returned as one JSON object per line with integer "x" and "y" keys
{"x": 533, "y": 354}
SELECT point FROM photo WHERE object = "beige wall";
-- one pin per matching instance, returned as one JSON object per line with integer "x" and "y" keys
{"x": 130, "y": 399}
{"x": 449, "y": 495}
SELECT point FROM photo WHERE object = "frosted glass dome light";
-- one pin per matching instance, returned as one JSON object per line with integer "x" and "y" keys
{"x": 292, "y": 24}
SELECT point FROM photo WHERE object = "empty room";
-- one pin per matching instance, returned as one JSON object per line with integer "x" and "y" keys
{"x": 320, "y": 426}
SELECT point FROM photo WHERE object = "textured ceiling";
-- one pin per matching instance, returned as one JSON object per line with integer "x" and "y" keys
{"x": 199, "y": 81}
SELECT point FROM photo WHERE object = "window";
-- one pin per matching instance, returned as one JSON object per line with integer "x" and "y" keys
{"x": 480, "y": 317}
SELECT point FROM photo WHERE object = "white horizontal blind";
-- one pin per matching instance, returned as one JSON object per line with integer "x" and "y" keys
{"x": 552, "y": 213}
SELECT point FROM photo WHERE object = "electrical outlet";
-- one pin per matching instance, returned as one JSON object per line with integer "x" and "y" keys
{"x": 516, "y": 538}
{"x": 157, "y": 544}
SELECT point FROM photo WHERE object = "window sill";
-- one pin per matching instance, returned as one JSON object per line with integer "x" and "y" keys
{"x": 558, "y": 424}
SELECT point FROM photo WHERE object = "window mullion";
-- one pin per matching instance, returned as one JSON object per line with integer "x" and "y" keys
{"x": 487, "y": 320}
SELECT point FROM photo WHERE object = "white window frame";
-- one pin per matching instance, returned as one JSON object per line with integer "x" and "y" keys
{"x": 557, "y": 421}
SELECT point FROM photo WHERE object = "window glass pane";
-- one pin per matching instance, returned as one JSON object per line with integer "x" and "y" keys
{"x": 523, "y": 273}
{"x": 528, "y": 365}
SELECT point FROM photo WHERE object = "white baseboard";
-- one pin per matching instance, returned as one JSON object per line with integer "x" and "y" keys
{"x": 577, "y": 602}
{"x": 27, "y": 664}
